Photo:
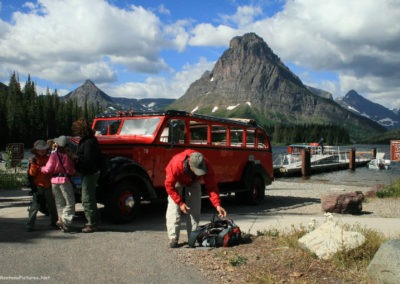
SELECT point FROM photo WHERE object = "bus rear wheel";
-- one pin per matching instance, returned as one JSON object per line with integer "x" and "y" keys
{"x": 255, "y": 194}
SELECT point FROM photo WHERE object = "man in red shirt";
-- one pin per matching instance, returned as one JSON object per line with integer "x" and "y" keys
{"x": 183, "y": 185}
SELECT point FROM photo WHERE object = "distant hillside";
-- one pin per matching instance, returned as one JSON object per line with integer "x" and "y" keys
{"x": 92, "y": 95}
{"x": 360, "y": 105}
{"x": 249, "y": 80}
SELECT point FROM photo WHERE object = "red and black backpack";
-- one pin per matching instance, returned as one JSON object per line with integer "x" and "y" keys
{"x": 222, "y": 232}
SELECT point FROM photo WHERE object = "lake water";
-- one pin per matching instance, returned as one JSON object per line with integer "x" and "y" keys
{"x": 362, "y": 176}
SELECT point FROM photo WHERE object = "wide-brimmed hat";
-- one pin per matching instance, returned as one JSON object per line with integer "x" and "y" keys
{"x": 197, "y": 164}
{"x": 40, "y": 145}
{"x": 61, "y": 141}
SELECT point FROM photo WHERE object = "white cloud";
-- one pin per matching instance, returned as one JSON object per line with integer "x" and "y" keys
{"x": 98, "y": 70}
{"x": 159, "y": 87}
{"x": 208, "y": 35}
{"x": 62, "y": 40}
{"x": 244, "y": 15}
{"x": 163, "y": 10}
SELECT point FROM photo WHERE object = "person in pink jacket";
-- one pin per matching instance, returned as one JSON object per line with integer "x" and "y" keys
{"x": 61, "y": 168}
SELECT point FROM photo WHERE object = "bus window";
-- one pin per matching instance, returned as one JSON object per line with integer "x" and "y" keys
{"x": 250, "y": 138}
{"x": 198, "y": 132}
{"x": 106, "y": 127}
{"x": 262, "y": 141}
{"x": 218, "y": 135}
{"x": 236, "y": 137}
{"x": 174, "y": 132}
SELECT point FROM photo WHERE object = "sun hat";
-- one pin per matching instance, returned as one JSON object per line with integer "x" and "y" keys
{"x": 197, "y": 164}
{"x": 61, "y": 141}
{"x": 40, "y": 145}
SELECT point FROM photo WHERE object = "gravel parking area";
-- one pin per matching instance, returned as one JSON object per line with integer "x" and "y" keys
{"x": 280, "y": 192}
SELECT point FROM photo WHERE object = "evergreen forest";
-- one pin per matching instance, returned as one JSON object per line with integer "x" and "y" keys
{"x": 26, "y": 116}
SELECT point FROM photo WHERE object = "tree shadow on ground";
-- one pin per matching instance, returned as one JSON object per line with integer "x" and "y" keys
{"x": 270, "y": 204}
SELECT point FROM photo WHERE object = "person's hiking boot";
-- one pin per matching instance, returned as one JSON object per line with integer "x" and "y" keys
{"x": 173, "y": 243}
{"x": 63, "y": 227}
{"x": 89, "y": 229}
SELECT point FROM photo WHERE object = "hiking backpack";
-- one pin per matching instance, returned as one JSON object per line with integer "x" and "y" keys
{"x": 222, "y": 232}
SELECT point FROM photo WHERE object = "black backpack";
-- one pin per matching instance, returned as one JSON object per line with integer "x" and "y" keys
{"x": 222, "y": 232}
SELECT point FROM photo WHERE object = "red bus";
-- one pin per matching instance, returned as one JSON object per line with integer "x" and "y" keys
{"x": 138, "y": 146}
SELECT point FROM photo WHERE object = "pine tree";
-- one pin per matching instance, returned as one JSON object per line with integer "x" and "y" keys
{"x": 13, "y": 109}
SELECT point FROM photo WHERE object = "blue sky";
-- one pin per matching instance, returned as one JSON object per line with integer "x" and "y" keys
{"x": 145, "y": 49}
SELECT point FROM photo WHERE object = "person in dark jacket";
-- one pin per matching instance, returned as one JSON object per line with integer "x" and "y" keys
{"x": 87, "y": 163}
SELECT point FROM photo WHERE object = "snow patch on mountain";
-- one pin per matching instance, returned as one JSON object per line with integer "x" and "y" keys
{"x": 232, "y": 107}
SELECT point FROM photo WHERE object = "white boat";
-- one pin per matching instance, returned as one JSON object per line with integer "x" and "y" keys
{"x": 322, "y": 159}
{"x": 380, "y": 163}
{"x": 319, "y": 155}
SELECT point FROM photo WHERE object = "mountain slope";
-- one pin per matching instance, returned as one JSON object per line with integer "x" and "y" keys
{"x": 357, "y": 103}
{"x": 92, "y": 95}
{"x": 250, "y": 80}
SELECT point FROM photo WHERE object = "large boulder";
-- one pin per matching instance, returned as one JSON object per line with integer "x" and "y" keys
{"x": 330, "y": 238}
{"x": 343, "y": 203}
{"x": 385, "y": 266}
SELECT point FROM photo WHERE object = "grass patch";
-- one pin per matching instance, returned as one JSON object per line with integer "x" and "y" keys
{"x": 391, "y": 190}
{"x": 293, "y": 262}
{"x": 274, "y": 256}
{"x": 238, "y": 260}
{"x": 360, "y": 257}
{"x": 11, "y": 179}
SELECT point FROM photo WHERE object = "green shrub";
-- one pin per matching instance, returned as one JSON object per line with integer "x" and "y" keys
{"x": 391, "y": 190}
{"x": 12, "y": 180}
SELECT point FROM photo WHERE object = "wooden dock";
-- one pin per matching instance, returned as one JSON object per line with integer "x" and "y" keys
{"x": 315, "y": 169}
{"x": 345, "y": 160}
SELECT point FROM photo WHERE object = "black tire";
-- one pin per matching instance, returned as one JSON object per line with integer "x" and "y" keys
{"x": 255, "y": 195}
{"x": 123, "y": 203}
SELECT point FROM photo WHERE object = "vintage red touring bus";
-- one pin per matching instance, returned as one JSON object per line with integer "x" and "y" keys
{"x": 138, "y": 147}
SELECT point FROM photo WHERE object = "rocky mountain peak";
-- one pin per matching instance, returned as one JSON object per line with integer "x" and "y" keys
{"x": 247, "y": 72}
{"x": 355, "y": 102}
{"x": 249, "y": 80}
{"x": 249, "y": 64}
{"x": 90, "y": 94}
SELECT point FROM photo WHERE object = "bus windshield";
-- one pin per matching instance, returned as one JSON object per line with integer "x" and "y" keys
{"x": 140, "y": 126}
{"x": 128, "y": 126}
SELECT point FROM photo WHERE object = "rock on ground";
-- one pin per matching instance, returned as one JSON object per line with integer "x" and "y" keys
{"x": 330, "y": 238}
{"x": 385, "y": 266}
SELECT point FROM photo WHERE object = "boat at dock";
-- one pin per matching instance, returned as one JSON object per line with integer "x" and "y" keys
{"x": 380, "y": 163}
{"x": 321, "y": 159}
